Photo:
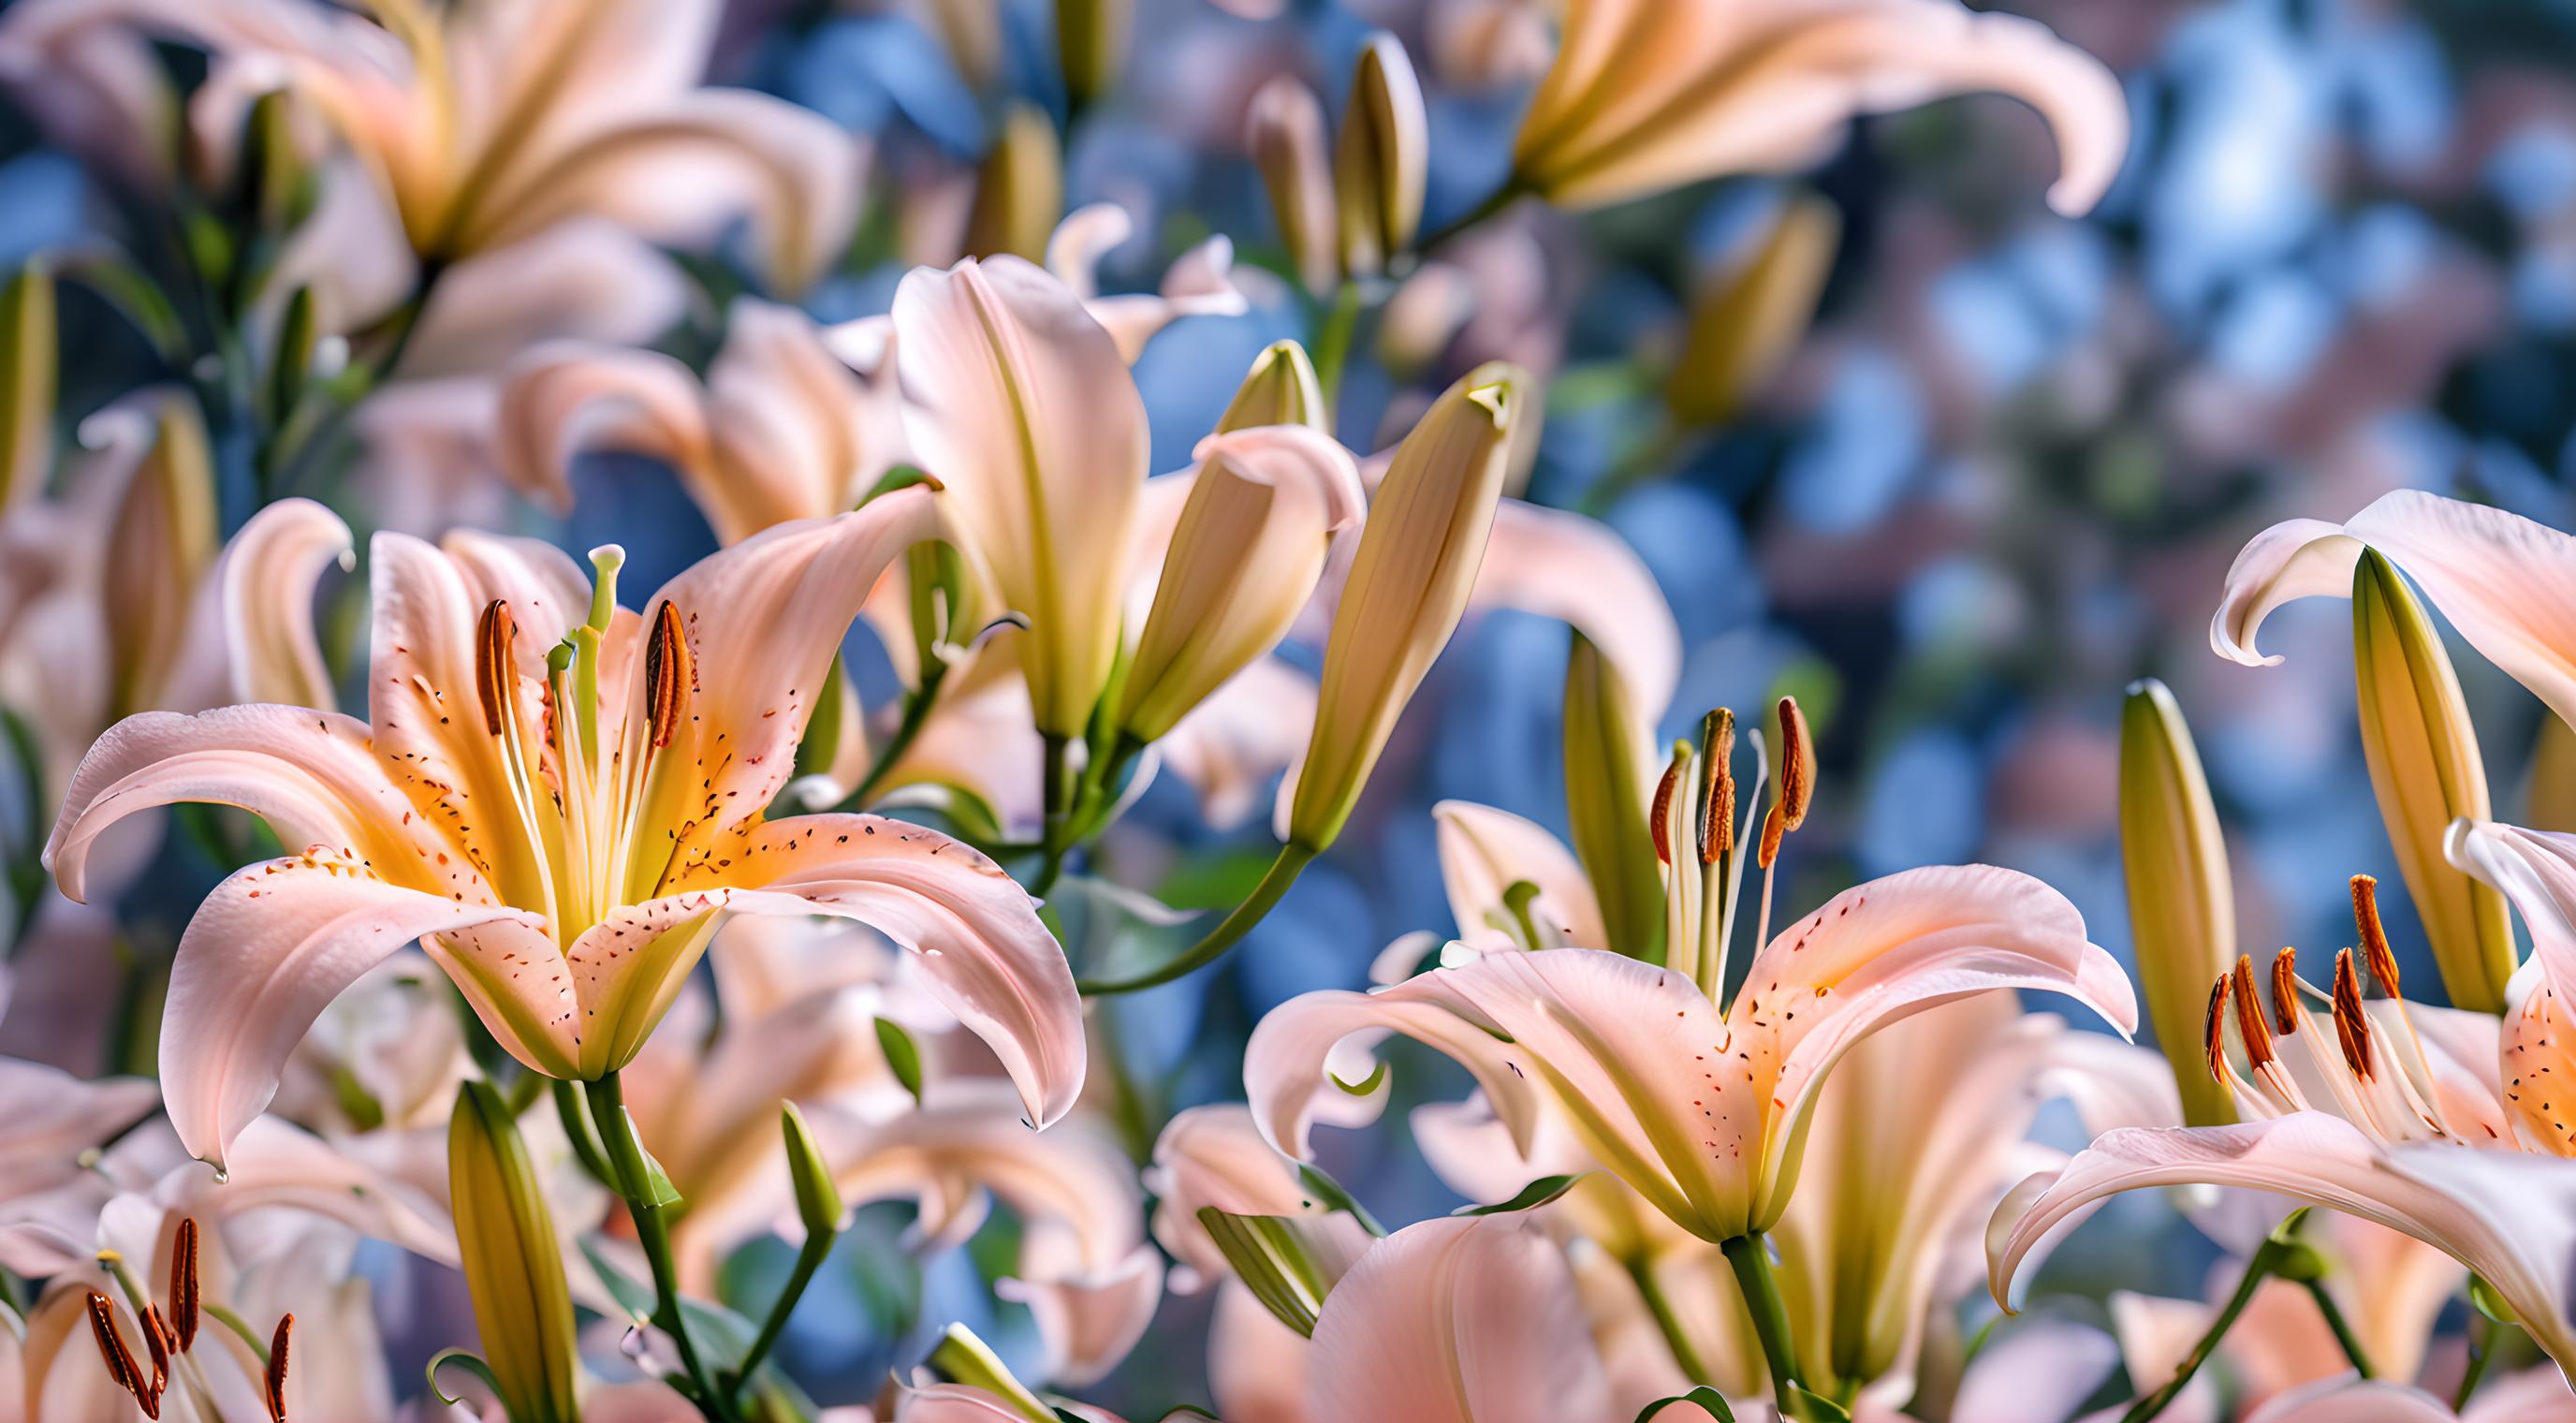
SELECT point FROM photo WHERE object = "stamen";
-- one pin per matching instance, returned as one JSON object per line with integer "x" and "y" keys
{"x": 2214, "y": 1031}
{"x": 2249, "y": 1017}
{"x": 2285, "y": 991}
{"x": 2352, "y": 1030}
{"x": 121, "y": 1368}
{"x": 1797, "y": 781}
{"x": 183, "y": 1287}
{"x": 2374, "y": 939}
{"x": 668, "y": 675}
{"x": 1661, "y": 819}
{"x": 156, "y": 1339}
{"x": 277, "y": 1347}
{"x": 493, "y": 638}
{"x": 1717, "y": 786}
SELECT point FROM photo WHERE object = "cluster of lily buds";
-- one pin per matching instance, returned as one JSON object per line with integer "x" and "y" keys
{"x": 1351, "y": 215}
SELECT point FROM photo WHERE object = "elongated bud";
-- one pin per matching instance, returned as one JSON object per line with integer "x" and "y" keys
{"x": 1382, "y": 160}
{"x": 2182, "y": 902}
{"x": 1281, "y": 389}
{"x": 1417, "y": 562}
{"x": 818, "y": 1198}
{"x": 1091, "y": 45}
{"x": 1607, "y": 746}
{"x": 1747, "y": 316}
{"x": 162, "y": 545}
{"x": 30, "y": 360}
{"x": 1795, "y": 790}
{"x": 1285, "y": 131}
{"x": 278, "y": 183}
{"x": 2425, "y": 767}
{"x": 1289, "y": 1263}
{"x": 1250, "y": 545}
{"x": 962, "y": 1358}
{"x": 1020, "y": 194}
{"x": 506, "y": 1240}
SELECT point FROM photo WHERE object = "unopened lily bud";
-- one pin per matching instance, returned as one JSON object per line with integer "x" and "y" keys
{"x": 291, "y": 364}
{"x": 513, "y": 1270}
{"x": 1795, "y": 788}
{"x": 1382, "y": 160}
{"x": 1251, "y": 542}
{"x": 1019, "y": 196}
{"x": 280, "y": 185}
{"x": 2182, "y": 903}
{"x": 2549, "y": 801}
{"x": 1746, "y": 317}
{"x": 1289, "y": 1263}
{"x": 1416, "y": 564}
{"x": 29, "y": 363}
{"x": 1281, "y": 389}
{"x": 161, "y": 545}
{"x": 2425, "y": 767}
{"x": 1091, "y": 45}
{"x": 1286, "y": 136}
{"x": 818, "y": 1198}
{"x": 1607, "y": 766}
{"x": 960, "y": 1357}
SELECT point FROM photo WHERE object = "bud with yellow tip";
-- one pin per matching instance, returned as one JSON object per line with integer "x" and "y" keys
{"x": 1606, "y": 748}
{"x": 1415, "y": 566}
{"x": 29, "y": 364}
{"x": 1280, "y": 389}
{"x": 513, "y": 1269}
{"x": 1019, "y": 196}
{"x": 2427, "y": 772}
{"x": 2182, "y": 902}
{"x": 161, "y": 544}
{"x": 1262, "y": 511}
{"x": 1746, "y": 318}
{"x": 1382, "y": 160}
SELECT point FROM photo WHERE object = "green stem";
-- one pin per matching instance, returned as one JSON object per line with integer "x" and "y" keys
{"x": 1509, "y": 193}
{"x": 1283, "y": 872}
{"x": 2256, "y": 1270}
{"x": 817, "y": 1248}
{"x": 916, "y": 714}
{"x": 653, "y": 1230}
{"x": 1642, "y": 1271}
{"x": 1333, "y": 340}
{"x": 2482, "y": 1352}
{"x": 1750, "y": 1255}
{"x": 291, "y": 464}
{"x": 1053, "y": 845}
{"x": 2342, "y": 1327}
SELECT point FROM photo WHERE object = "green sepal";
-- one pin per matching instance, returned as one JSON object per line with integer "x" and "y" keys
{"x": 1704, "y": 1396}
{"x": 1540, "y": 1192}
{"x": 467, "y": 1360}
{"x": 902, "y": 1054}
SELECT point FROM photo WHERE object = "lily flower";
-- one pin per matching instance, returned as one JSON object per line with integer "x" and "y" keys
{"x": 2532, "y": 1396}
{"x": 483, "y": 127}
{"x": 1646, "y": 96}
{"x": 2437, "y": 1123}
{"x": 561, "y": 800}
{"x": 1596, "y": 1037}
{"x": 1086, "y": 1272}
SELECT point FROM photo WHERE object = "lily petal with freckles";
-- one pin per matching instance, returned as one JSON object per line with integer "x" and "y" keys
{"x": 1646, "y": 96}
{"x": 1598, "y": 1037}
{"x": 565, "y": 830}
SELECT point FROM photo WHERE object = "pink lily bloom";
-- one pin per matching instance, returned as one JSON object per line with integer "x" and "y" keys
{"x": 561, "y": 808}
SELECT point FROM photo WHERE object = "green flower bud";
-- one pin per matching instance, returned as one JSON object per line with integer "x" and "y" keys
{"x": 2425, "y": 767}
{"x": 1382, "y": 160}
{"x": 1607, "y": 745}
{"x": 1019, "y": 197}
{"x": 1280, "y": 389}
{"x": 2182, "y": 904}
{"x": 513, "y": 1269}
{"x": 1747, "y": 317}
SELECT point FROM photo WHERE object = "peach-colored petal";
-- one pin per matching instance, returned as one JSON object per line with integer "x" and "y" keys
{"x": 1215, "y": 1156}
{"x": 981, "y": 946}
{"x": 1020, "y": 404}
{"x": 262, "y": 956}
{"x": 2352, "y": 1400}
{"x": 48, "y": 1117}
{"x": 267, "y": 577}
{"x": 1645, "y": 97}
{"x": 2510, "y": 1216}
{"x": 1256, "y": 1365}
{"x": 1484, "y": 852}
{"x": 2536, "y": 869}
{"x": 2506, "y": 583}
{"x": 1090, "y": 1320}
{"x": 1457, "y": 1320}
{"x": 559, "y": 402}
{"x": 585, "y": 279}
{"x": 1200, "y": 283}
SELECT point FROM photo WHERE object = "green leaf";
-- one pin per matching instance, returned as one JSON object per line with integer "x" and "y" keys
{"x": 1330, "y": 1193}
{"x": 1532, "y": 1196}
{"x": 723, "y": 1336}
{"x": 1815, "y": 1407}
{"x": 467, "y": 1360}
{"x": 2488, "y": 1302}
{"x": 1706, "y": 1397}
{"x": 902, "y": 1054}
{"x": 902, "y": 476}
